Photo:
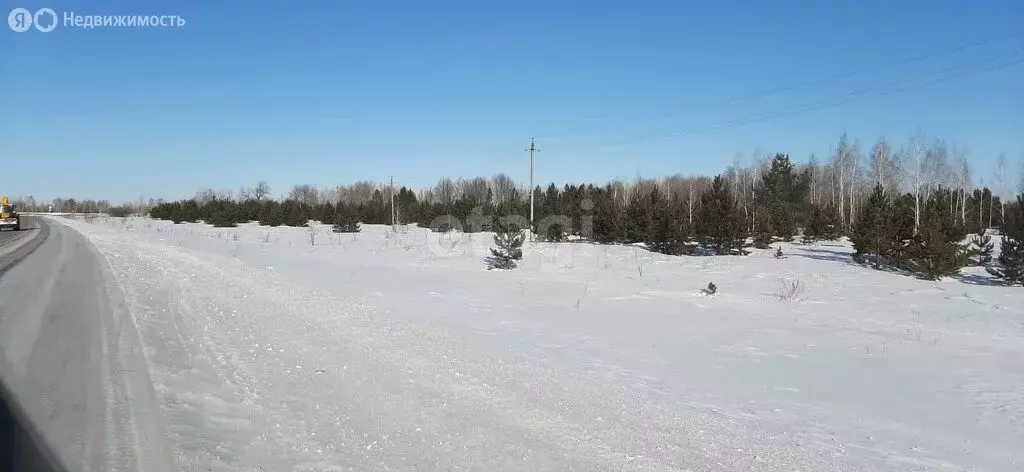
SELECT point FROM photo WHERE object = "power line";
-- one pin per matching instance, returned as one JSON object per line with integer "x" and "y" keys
{"x": 769, "y": 92}
{"x": 849, "y": 97}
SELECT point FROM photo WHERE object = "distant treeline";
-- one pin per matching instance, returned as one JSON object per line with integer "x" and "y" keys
{"x": 919, "y": 232}
{"x": 906, "y": 208}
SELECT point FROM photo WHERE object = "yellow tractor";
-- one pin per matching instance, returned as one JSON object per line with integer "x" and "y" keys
{"x": 9, "y": 217}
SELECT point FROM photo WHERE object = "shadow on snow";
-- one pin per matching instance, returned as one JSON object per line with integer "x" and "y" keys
{"x": 824, "y": 255}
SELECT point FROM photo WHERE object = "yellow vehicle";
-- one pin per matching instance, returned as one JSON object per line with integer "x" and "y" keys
{"x": 9, "y": 217}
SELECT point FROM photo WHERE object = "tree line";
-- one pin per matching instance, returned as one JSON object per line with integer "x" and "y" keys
{"x": 907, "y": 208}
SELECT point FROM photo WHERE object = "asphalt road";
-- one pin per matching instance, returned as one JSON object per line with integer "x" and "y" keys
{"x": 7, "y": 236}
{"x": 9, "y": 239}
{"x": 70, "y": 353}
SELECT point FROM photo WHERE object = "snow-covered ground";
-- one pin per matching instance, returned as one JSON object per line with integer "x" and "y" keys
{"x": 399, "y": 351}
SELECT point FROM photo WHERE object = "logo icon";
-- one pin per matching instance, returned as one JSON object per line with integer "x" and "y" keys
{"x": 20, "y": 20}
{"x": 40, "y": 19}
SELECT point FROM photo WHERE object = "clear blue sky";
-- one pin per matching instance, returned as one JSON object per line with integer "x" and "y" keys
{"x": 335, "y": 91}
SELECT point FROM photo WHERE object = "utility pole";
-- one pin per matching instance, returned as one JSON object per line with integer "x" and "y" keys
{"x": 392, "y": 203}
{"x": 532, "y": 150}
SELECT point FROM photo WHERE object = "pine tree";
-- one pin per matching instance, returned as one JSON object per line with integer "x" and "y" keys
{"x": 669, "y": 232}
{"x": 509, "y": 244}
{"x": 783, "y": 193}
{"x": 901, "y": 230}
{"x": 554, "y": 232}
{"x": 1011, "y": 252}
{"x": 872, "y": 235}
{"x": 570, "y": 205}
{"x": 1011, "y": 260}
{"x": 222, "y": 214}
{"x": 935, "y": 250}
{"x": 830, "y": 227}
{"x": 639, "y": 219}
{"x": 822, "y": 224}
{"x": 189, "y": 211}
{"x": 274, "y": 215}
{"x": 980, "y": 250}
{"x": 763, "y": 231}
{"x": 607, "y": 218}
{"x": 720, "y": 225}
{"x": 345, "y": 219}
{"x": 324, "y": 213}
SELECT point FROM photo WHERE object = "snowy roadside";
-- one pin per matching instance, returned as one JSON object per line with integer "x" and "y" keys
{"x": 316, "y": 363}
{"x": 257, "y": 372}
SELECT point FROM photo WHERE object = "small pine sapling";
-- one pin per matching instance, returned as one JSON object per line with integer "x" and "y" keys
{"x": 510, "y": 247}
{"x": 980, "y": 250}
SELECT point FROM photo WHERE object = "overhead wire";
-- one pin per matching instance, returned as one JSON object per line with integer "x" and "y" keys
{"x": 788, "y": 88}
{"x": 849, "y": 97}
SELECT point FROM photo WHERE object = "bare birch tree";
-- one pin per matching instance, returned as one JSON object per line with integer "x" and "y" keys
{"x": 474, "y": 189}
{"x": 964, "y": 181}
{"x": 695, "y": 186}
{"x": 445, "y": 192}
{"x": 305, "y": 194}
{"x": 914, "y": 155}
{"x": 846, "y": 162}
{"x": 503, "y": 188}
{"x": 884, "y": 166}
{"x": 359, "y": 192}
{"x": 1020, "y": 172}
{"x": 262, "y": 191}
{"x": 814, "y": 171}
{"x": 675, "y": 186}
{"x": 1000, "y": 183}
{"x": 205, "y": 195}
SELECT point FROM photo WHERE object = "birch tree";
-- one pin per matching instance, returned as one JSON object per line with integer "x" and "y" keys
{"x": 675, "y": 186}
{"x": 1000, "y": 183}
{"x": 846, "y": 162}
{"x": 936, "y": 165}
{"x": 444, "y": 191}
{"x": 205, "y": 195}
{"x": 262, "y": 191}
{"x": 475, "y": 190}
{"x": 1020, "y": 172}
{"x": 914, "y": 154}
{"x": 503, "y": 188}
{"x": 965, "y": 182}
{"x": 695, "y": 186}
{"x": 884, "y": 167}
{"x": 304, "y": 193}
{"x": 357, "y": 193}
{"x": 812, "y": 166}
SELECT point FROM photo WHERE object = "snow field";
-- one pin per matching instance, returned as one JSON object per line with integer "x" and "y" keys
{"x": 399, "y": 351}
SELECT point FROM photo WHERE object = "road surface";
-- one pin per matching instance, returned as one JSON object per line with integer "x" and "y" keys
{"x": 13, "y": 240}
{"x": 70, "y": 355}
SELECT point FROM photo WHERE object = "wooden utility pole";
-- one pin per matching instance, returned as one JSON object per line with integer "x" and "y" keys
{"x": 532, "y": 150}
